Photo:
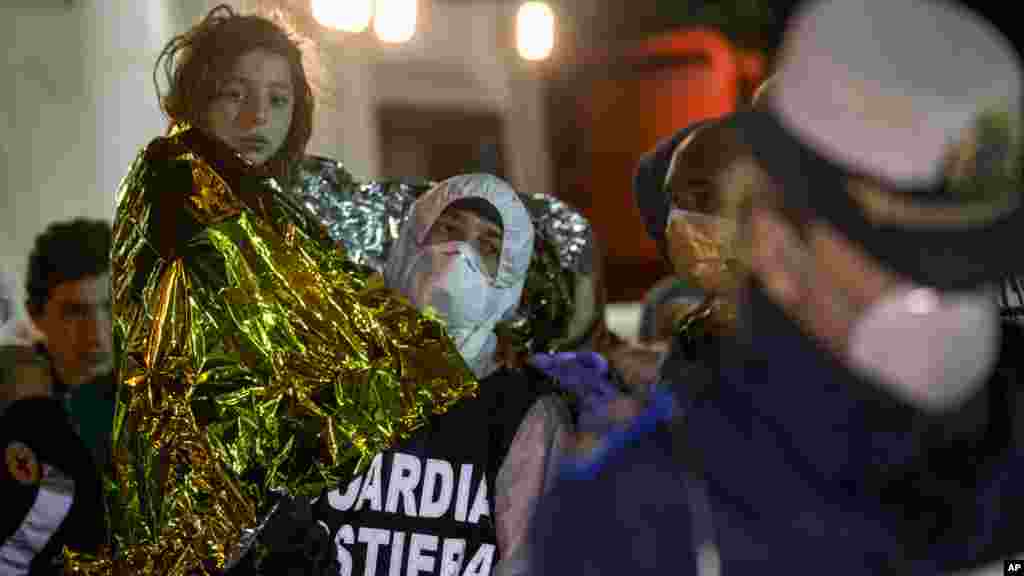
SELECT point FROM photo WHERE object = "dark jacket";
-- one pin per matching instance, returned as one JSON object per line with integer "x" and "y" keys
{"x": 52, "y": 509}
{"x": 90, "y": 407}
{"x": 792, "y": 471}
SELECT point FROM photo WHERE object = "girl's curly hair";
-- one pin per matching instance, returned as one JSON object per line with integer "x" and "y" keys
{"x": 194, "y": 62}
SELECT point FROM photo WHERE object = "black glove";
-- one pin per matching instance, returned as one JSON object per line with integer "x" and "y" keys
{"x": 293, "y": 543}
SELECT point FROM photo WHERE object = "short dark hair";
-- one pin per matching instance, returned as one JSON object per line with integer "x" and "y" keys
{"x": 65, "y": 252}
{"x": 482, "y": 208}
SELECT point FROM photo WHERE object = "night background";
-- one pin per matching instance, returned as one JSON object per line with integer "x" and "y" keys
{"x": 596, "y": 42}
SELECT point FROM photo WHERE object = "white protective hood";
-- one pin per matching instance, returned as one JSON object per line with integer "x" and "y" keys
{"x": 517, "y": 248}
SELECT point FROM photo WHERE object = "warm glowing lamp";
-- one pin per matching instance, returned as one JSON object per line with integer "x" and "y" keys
{"x": 395, "y": 20}
{"x": 535, "y": 30}
{"x": 348, "y": 15}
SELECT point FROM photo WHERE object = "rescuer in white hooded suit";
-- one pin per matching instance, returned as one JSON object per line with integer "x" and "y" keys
{"x": 463, "y": 251}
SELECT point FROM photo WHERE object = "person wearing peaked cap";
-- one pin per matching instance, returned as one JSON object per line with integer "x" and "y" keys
{"x": 863, "y": 419}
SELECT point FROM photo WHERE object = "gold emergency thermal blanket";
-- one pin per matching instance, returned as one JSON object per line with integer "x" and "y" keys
{"x": 252, "y": 357}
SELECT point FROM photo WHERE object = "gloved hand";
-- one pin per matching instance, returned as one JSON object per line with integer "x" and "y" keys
{"x": 639, "y": 366}
{"x": 609, "y": 419}
{"x": 587, "y": 376}
{"x": 295, "y": 544}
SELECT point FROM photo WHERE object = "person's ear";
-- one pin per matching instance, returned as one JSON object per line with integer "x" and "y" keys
{"x": 778, "y": 258}
{"x": 35, "y": 311}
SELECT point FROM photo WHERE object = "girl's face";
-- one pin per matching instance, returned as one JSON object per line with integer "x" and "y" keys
{"x": 253, "y": 107}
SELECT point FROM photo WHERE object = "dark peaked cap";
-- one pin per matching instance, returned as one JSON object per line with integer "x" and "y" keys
{"x": 649, "y": 181}
{"x": 898, "y": 121}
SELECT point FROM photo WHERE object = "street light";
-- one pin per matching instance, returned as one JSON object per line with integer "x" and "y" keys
{"x": 347, "y": 15}
{"x": 535, "y": 31}
{"x": 395, "y": 20}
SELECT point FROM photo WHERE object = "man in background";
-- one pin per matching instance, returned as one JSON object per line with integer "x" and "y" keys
{"x": 69, "y": 301}
{"x": 57, "y": 401}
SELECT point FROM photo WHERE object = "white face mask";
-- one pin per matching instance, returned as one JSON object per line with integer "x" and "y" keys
{"x": 933, "y": 351}
{"x": 450, "y": 279}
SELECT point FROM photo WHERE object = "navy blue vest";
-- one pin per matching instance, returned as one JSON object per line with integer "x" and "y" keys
{"x": 427, "y": 506}
{"x": 800, "y": 472}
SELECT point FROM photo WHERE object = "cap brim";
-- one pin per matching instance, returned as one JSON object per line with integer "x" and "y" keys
{"x": 947, "y": 257}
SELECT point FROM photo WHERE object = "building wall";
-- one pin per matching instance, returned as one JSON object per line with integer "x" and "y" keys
{"x": 75, "y": 105}
{"x": 462, "y": 55}
{"x": 77, "y": 100}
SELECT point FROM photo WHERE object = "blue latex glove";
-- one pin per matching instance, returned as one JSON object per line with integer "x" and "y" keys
{"x": 587, "y": 376}
{"x": 661, "y": 407}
